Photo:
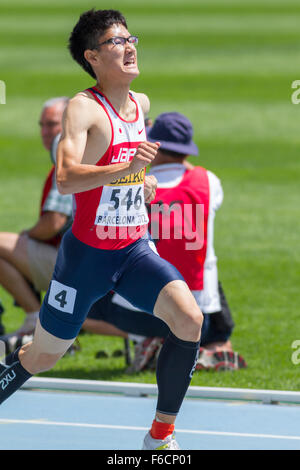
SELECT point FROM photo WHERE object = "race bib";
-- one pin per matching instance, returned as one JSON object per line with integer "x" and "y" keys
{"x": 122, "y": 202}
{"x": 62, "y": 297}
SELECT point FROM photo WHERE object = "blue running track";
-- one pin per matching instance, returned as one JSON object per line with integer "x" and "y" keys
{"x": 49, "y": 420}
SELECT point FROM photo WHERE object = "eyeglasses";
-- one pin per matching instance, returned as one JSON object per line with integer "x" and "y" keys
{"x": 121, "y": 41}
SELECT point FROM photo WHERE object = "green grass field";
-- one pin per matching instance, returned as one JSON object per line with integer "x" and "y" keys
{"x": 229, "y": 66}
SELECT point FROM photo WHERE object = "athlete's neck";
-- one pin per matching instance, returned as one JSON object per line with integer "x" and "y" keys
{"x": 118, "y": 96}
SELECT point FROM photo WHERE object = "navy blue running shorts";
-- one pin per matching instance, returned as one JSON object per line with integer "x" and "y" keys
{"x": 84, "y": 274}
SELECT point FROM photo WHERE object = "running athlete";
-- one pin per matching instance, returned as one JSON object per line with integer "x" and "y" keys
{"x": 101, "y": 159}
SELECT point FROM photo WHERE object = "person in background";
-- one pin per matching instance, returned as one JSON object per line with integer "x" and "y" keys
{"x": 181, "y": 183}
{"x": 27, "y": 259}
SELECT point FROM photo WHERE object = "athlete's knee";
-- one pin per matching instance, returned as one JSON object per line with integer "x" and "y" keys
{"x": 44, "y": 351}
{"x": 178, "y": 308}
{"x": 187, "y": 324}
{"x": 190, "y": 322}
{"x": 36, "y": 362}
{"x": 44, "y": 362}
{"x": 195, "y": 317}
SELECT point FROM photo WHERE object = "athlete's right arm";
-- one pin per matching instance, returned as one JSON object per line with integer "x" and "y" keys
{"x": 73, "y": 176}
{"x": 74, "y": 173}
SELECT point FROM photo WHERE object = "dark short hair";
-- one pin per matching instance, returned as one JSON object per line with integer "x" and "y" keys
{"x": 90, "y": 27}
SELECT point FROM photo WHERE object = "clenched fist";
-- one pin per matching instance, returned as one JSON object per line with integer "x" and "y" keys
{"x": 145, "y": 154}
{"x": 150, "y": 188}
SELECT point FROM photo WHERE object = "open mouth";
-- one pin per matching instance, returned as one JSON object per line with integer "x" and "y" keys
{"x": 129, "y": 62}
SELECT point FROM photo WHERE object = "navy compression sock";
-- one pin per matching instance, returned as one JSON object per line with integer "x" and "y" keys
{"x": 9, "y": 359}
{"x": 175, "y": 366}
{"x": 12, "y": 375}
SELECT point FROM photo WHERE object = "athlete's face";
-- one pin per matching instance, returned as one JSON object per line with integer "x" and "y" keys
{"x": 117, "y": 61}
{"x": 50, "y": 123}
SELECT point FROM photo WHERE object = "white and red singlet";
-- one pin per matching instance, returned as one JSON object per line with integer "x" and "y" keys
{"x": 113, "y": 216}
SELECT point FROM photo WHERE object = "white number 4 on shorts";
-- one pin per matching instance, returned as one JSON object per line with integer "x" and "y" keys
{"x": 62, "y": 297}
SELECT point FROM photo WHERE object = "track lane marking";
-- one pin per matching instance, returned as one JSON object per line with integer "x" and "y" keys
{"x": 140, "y": 428}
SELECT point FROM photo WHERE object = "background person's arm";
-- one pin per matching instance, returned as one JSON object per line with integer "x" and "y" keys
{"x": 48, "y": 226}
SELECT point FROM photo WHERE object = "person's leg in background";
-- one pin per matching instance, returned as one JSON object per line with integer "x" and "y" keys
{"x": 15, "y": 277}
{"x": 216, "y": 351}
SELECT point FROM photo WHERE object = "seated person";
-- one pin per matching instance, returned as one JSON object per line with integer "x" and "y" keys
{"x": 27, "y": 259}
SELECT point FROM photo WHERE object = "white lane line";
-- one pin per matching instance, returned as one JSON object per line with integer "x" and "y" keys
{"x": 140, "y": 428}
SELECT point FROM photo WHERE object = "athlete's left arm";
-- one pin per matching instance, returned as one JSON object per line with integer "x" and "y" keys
{"x": 150, "y": 188}
{"x": 150, "y": 185}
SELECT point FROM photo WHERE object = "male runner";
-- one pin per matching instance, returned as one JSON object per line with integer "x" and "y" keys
{"x": 101, "y": 160}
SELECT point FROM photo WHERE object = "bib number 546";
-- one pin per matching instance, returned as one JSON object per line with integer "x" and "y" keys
{"x": 128, "y": 199}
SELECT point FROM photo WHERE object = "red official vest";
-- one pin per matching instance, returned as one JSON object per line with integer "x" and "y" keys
{"x": 184, "y": 209}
